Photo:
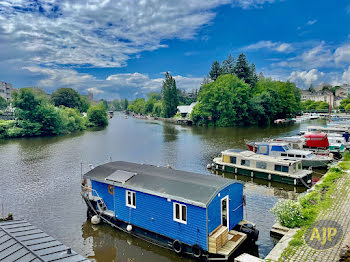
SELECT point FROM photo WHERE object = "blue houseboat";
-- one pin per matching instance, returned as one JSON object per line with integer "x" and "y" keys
{"x": 189, "y": 213}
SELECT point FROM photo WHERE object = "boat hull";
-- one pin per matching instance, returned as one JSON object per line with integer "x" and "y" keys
{"x": 315, "y": 163}
{"x": 303, "y": 181}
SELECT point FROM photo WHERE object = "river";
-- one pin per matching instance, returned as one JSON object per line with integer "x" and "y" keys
{"x": 40, "y": 179}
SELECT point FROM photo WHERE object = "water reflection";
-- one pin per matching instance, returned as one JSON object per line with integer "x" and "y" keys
{"x": 42, "y": 176}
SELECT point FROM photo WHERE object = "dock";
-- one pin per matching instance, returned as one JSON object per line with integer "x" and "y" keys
{"x": 20, "y": 241}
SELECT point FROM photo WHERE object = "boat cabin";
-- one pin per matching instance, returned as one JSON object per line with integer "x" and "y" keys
{"x": 344, "y": 131}
{"x": 252, "y": 161}
{"x": 170, "y": 206}
{"x": 281, "y": 149}
{"x": 319, "y": 140}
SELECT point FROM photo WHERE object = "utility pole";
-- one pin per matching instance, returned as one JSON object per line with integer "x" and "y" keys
{"x": 330, "y": 106}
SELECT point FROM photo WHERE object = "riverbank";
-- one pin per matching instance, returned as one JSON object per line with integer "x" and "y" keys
{"x": 334, "y": 206}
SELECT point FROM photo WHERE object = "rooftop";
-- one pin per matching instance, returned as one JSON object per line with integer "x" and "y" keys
{"x": 258, "y": 157}
{"x": 188, "y": 187}
{"x": 22, "y": 242}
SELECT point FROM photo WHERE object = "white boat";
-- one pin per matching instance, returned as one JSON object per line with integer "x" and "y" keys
{"x": 281, "y": 149}
{"x": 250, "y": 164}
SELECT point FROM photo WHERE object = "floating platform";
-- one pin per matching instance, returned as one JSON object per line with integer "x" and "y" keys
{"x": 23, "y": 242}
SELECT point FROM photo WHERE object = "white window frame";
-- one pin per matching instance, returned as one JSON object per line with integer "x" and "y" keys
{"x": 133, "y": 205}
{"x": 180, "y": 210}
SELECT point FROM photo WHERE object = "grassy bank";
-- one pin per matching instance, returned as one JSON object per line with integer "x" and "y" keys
{"x": 318, "y": 200}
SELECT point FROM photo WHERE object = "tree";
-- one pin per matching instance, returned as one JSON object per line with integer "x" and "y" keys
{"x": 223, "y": 102}
{"x": 170, "y": 96}
{"x": 154, "y": 95}
{"x": 84, "y": 104}
{"x": 253, "y": 78}
{"x": 26, "y": 103}
{"x": 228, "y": 66}
{"x": 67, "y": 97}
{"x": 242, "y": 69}
{"x": 215, "y": 71}
{"x": 124, "y": 104}
{"x": 312, "y": 89}
{"x": 3, "y": 103}
{"x": 97, "y": 115}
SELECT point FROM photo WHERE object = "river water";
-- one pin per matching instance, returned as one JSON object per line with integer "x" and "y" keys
{"x": 40, "y": 179}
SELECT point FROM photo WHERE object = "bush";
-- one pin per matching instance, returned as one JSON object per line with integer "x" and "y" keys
{"x": 289, "y": 213}
{"x": 72, "y": 120}
{"x": 97, "y": 115}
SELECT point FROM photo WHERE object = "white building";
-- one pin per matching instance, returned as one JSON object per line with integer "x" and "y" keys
{"x": 321, "y": 96}
{"x": 5, "y": 90}
{"x": 186, "y": 111}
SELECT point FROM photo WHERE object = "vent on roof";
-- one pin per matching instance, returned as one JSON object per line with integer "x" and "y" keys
{"x": 120, "y": 176}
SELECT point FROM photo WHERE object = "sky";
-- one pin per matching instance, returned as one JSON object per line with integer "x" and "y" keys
{"x": 121, "y": 49}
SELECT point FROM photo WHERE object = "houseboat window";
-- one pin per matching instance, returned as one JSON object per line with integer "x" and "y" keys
{"x": 130, "y": 199}
{"x": 283, "y": 154}
{"x": 285, "y": 169}
{"x": 245, "y": 162}
{"x": 261, "y": 165}
{"x": 298, "y": 156}
{"x": 180, "y": 213}
{"x": 291, "y": 155}
{"x": 281, "y": 168}
{"x": 233, "y": 159}
{"x": 263, "y": 149}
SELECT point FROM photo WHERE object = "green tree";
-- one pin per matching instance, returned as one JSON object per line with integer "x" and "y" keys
{"x": 3, "y": 103}
{"x": 26, "y": 103}
{"x": 242, "y": 69}
{"x": 124, "y": 104}
{"x": 215, "y": 70}
{"x": 347, "y": 108}
{"x": 228, "y": 65}
{"x": 223, "y": 102}
{"x": 311, "y": 89}
{"x": 97, "y": 115}
{"x": 84, "y": 103}
{"x": 157, "y": 109}
{"x": 67, "y": 97}
{"x": 170, "y": 96}
{"x": 253, "y": 77}
{"x": 154, "y": 95}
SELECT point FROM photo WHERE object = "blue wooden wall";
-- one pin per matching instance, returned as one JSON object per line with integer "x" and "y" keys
{"x": 102, "y": 190}
{"x": 156, "y": 214}
{"x": 235, "y": 193}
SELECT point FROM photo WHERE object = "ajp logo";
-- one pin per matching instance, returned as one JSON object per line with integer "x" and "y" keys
{"x": 323, "y": 234}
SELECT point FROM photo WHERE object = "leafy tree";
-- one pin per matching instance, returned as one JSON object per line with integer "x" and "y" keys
{"x": 347, "y": 108}
{"x": 170, "y": 96}
{"x": 215, "y": 71}
{"x": 154, "y": 95}
{"x": 67, "y": 97}
{"x": 157, "y": 109}
{"x": 105, "y": 103}
{"x": 228, "y": 65}
{"x": 117, "y": 105}
{"x": 253, "y": 78}
{"x": 3, "y": 103}
{"x": 72, "y": 119}
{"x": 223, "y": 102}
{"x": 124, "y": 104}
{"x": 344, "y": 103}
{"x": 138, "y": 106}
{"x": 50, "y": 119}
{"x": 84, "y": 103}
{"x": 26, "y": 103}
{"x": 97, "y": 115}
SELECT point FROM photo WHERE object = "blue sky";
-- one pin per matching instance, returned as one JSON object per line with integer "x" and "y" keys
{"x": 118, "y": 49}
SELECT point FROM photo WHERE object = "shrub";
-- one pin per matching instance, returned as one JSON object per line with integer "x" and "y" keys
{"x": 289, "y": 213}
{"x": 72, "y": 120}
{"x": 97, "y": 115}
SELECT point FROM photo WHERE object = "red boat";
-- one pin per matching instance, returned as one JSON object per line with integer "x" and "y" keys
{"x": 316, "y": 141}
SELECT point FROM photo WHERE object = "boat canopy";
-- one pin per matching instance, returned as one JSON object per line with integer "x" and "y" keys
{"x": 317, "y": 140}
{"x": 188, "y": 187}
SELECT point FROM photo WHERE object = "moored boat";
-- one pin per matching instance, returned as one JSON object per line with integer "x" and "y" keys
{"x": 248, "y": 163}
{"x": 189, "y": 213}
{"x": 282, "y": 149}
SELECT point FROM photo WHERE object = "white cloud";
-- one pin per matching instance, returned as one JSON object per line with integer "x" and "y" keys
{"x": 311, "y": 22}
{"x": 129, "y": 85}
{"x": 304, "y": 78}
{"x": 346, "y": 76}
{"x": 342, "y": 54}
{"x": 275, "y": 46}
{"x": 247, "y": 4}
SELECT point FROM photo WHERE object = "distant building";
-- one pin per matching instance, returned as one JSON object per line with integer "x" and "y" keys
{"x": 185, "y": 111}
{"x": 321, "y": 96}
{"x": 91, "y": 96}
{"x": 5, "y": 90}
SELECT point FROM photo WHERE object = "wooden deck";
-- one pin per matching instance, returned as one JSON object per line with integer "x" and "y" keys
{"x": 235, "y": 239}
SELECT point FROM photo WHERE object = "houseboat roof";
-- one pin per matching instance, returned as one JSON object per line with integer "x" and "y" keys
{"x": 20, "y": 241}
{"x": 187, "y": 187}
{"x": 258, "y": 157}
